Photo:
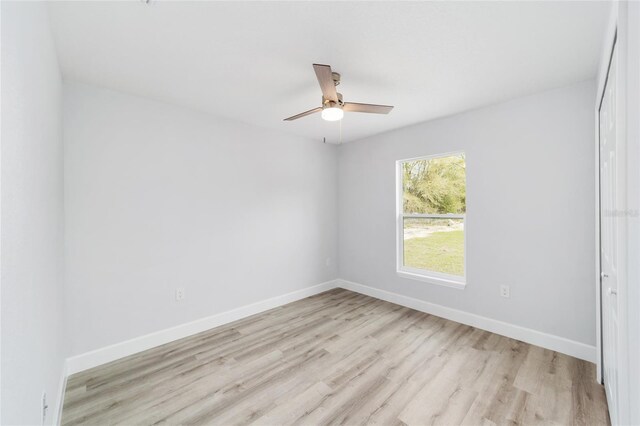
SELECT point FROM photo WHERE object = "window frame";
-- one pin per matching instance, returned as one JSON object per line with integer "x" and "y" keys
{"x": 432, "y": 277}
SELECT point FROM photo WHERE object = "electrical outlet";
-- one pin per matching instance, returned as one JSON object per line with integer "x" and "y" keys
{"x": 505, "y": 291}
{"x": 179, "y": 293}
{"x": 45, "y": 406}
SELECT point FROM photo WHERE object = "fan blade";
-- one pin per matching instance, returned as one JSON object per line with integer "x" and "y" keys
{"x": 304, "y": 114}
{"x": 325, "y": 78}
{"x": 375, "y": 109}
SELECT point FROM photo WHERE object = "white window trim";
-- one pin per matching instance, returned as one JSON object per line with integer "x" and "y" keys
{"x": 432, "y": 277}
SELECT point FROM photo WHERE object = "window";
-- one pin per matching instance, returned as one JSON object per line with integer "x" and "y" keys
{"x": 431, "y": 219}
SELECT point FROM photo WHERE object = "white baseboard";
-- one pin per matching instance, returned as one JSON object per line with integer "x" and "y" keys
{"x": 116, "y": 351}
{"x": 548, "y": 341}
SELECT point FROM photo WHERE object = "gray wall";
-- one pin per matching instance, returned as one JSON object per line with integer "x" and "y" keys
{"x": 159, "y": 197}
{"x": 32, "y": 215}
{"x": 530, "y": 215}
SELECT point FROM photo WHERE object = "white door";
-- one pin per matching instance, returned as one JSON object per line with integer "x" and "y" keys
{"x": 609, "y": 238}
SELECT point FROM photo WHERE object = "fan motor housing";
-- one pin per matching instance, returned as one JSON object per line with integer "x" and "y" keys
{"x": 328, "y": 103}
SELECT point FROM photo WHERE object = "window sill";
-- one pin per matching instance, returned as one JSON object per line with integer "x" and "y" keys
{"x": 460, "y": 285}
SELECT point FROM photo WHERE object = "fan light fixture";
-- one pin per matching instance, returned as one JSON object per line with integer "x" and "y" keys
{"x": 332, "y": 114}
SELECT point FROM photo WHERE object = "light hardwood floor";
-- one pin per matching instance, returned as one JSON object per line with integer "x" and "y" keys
{"x": 340, "y": 358}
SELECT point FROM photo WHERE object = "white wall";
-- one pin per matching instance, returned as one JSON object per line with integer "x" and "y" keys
{"x": 530, "y": 216}
{"x": 32, "y": 215}
{"x": 159, "y": 197}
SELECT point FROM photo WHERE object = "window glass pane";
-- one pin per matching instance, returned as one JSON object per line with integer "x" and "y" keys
{"x": 436, "y": 185}
{"x": 434, "y": 244}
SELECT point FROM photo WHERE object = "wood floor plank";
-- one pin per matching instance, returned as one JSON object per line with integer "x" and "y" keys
{"x": 339, "y": 358}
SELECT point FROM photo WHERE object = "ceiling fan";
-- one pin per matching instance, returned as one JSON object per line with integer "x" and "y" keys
{"x": 333, "y": 107}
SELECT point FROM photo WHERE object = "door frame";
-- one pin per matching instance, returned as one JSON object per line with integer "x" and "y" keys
{"x": 617, "y": 35}
{"x": 616, "y": 191}
{"x": 607, "y": 51}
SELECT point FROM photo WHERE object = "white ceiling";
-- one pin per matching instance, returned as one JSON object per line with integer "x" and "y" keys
{"x": 252, "y": 61}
